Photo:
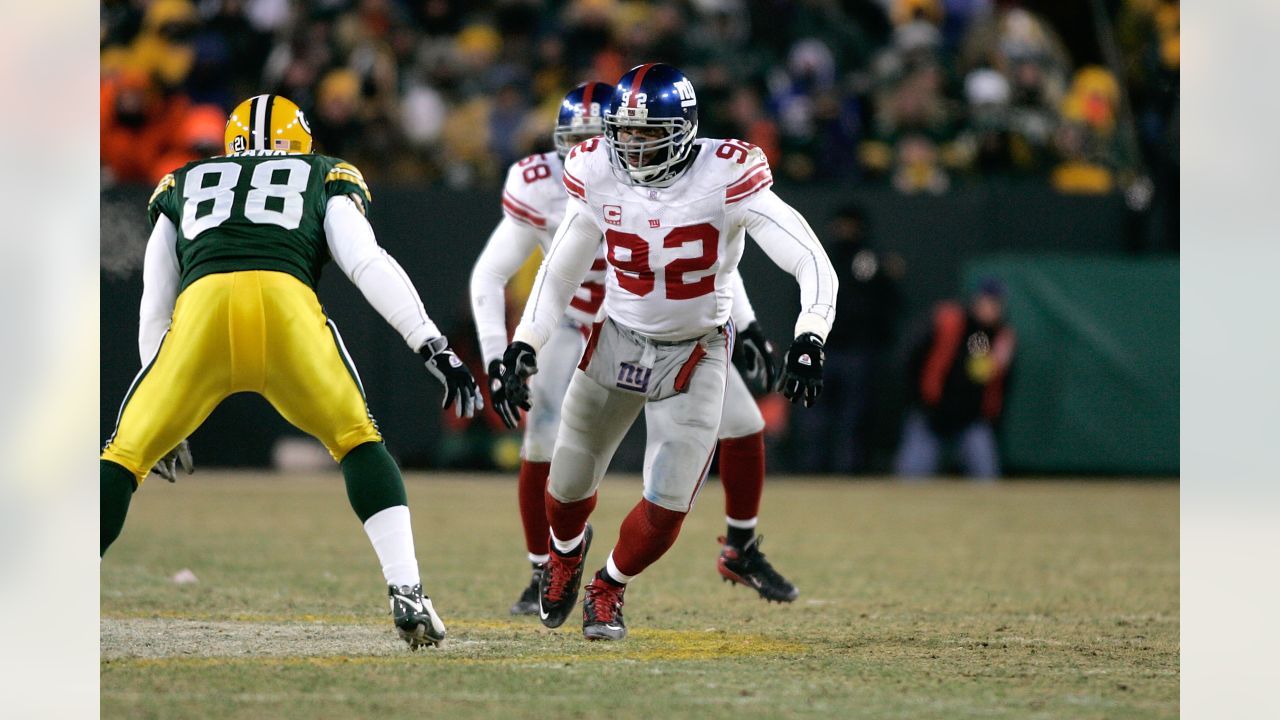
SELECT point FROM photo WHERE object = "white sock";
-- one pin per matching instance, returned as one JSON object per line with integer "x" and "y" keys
{"x": 392, "y": 537}
{"x": 614, "y": 573}
{"x": 538, "y": 559}
{"x": 567, "y": 546}
{"x": 741, "y": 524}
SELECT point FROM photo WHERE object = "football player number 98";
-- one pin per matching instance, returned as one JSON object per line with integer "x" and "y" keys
{"x": 629, "y": 255}
{"x": 285, "y": 179}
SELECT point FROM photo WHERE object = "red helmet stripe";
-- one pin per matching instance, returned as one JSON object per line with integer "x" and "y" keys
{"x": 635, "y": 82}
{"x": 586, "y": 99}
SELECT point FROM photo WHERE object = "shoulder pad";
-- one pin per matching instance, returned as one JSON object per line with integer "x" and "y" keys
{"x": 154, "y": 205}
{"x": 532, "y": 188}
{"x": 745, "y": 169}
{"x": 343, "y": 178}
{"x": 580, "y": 165}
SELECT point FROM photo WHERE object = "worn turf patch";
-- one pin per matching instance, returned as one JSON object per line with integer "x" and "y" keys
{"x": 157, "y": 642}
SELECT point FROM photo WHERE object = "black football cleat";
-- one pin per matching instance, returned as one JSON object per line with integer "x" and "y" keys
{"x": 415, "y": 619}
{"x": 561, "y": 578}
{"x": 748, "y": 566}
{"x": 602, "y": 610}
{"x": 528, "y": 602}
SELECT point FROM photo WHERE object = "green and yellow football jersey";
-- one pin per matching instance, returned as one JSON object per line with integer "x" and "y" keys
{"x": 255, "y": 210}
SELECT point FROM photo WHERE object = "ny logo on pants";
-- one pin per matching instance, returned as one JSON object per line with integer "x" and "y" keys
{"x": 634, "y": 377}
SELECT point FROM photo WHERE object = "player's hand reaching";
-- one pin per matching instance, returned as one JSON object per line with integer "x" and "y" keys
{"x": 168, "y": 466}
{"x": 498, "y": 394}
{"x": 753, "y": 356}
{"x": 518, "y": 363}
{"x": 802, "y": 371}
{"x": 458, "y": 383}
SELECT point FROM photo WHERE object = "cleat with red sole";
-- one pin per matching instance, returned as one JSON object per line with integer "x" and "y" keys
{"x": 748, "y": 567}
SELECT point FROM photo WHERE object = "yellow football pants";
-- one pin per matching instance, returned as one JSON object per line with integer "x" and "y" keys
{"x": 256, "y": 331}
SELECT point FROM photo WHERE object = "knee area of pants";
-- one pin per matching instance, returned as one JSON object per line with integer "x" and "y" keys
{"x": 674, "y": 459}
{"x": 572, "y": 477}
{"x": 659, "y": 512}
{"x": 537, "y": 448}
{"x": 536, "y": 453}
{"x": 731, "y": 430}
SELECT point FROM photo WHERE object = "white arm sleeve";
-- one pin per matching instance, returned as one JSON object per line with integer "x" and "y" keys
{"x": 379, "y": 277}
{"x": 574, "y": 249}
{"x": 742, "y": 313}
{"x": 790, "y": 243}
{"x": 509, "y": 246}
{"x": 159, "y": 287}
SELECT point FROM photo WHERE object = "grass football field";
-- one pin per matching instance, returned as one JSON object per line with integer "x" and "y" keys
{"x": 938, "y": 600}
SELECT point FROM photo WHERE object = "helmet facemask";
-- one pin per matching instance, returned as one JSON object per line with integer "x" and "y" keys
{"x": 580, "y": 128}
{"x": 648, "y": 150}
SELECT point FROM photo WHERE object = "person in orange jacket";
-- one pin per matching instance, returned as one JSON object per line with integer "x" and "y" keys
{"x": 959, "y": 372}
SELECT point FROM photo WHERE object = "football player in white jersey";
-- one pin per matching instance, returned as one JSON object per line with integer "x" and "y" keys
{"x": 533, "y": 202}
{"x": 673, "y": 212}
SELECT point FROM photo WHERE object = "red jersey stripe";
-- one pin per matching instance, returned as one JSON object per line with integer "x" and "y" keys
{"x": 762, "y": 181}
{"x": 520, "y": 213}
{"x": 745, "y": 177}
{"x": 508, "y": 196}
{"x": 575, "y": 187}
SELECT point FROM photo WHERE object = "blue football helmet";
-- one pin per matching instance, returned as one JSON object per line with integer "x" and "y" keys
{"x": 651, "y": 123}
{"x": 581, "y": 115}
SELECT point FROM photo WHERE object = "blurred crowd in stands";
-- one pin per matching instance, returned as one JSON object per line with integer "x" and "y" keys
{"x": 920, "y": 95}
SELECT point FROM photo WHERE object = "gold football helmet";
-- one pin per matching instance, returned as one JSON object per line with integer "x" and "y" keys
{"x": 267, "y": 122}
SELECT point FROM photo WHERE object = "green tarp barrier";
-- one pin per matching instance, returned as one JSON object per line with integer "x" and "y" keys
{"x": 1095, "y": 386}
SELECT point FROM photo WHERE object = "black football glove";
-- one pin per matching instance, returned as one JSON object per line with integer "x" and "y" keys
{"x": 498, "y": 394}
{"x": 168, "y": 465}
{"x": 802, "y": 371}
{"x": 453, "y": 375}
{"x": 518, "y": 363}
{"x": 753, "y": 356}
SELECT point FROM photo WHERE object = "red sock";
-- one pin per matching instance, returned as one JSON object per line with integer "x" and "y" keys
{"x": 646, "y": 534}
{"x": 568, "y": 520}
{"x": 533, "y": 510}
{"x": 742, "y": 474}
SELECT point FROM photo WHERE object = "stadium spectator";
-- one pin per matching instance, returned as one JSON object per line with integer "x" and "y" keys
{"x": 200, "y": 136}
{"x": 958, "y": 372}
{"x": 833, "y": 433}
{"x": 163, "y": 47}
{"x": 915, "y": 94}
{"x": 138, "y": 121}
{"x": 1150, "y": 37}
{"x": 1086, "y": 138}
{"x": 1029, "y": 54}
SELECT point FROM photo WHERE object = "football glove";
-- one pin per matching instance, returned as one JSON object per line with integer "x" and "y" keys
{"x": 753, "y": 356}
{"x": 498, "y": 394}
{"x": 518, "y": 363}
{"x": 168, "y": 466}
{"x": 458, "y": 383}
{"x": 802, "y": 370}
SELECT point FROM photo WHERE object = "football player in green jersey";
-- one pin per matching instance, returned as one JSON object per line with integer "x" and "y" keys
{"x": 229, "y": 305}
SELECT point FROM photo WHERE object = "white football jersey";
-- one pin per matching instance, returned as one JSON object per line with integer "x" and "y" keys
{"x": 534, "y": 195}
{"x": 533, "y": 204}
{"x": 672, "y": 252}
